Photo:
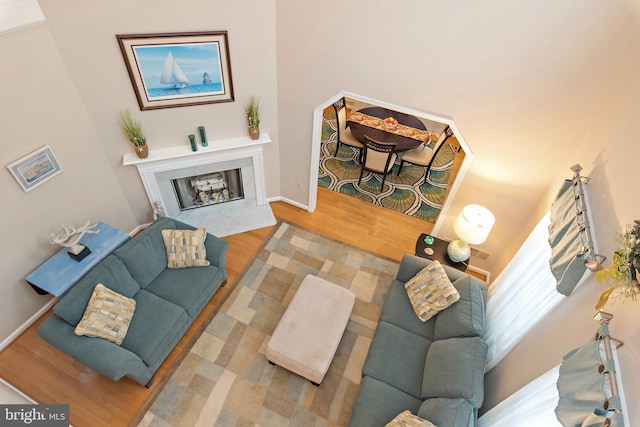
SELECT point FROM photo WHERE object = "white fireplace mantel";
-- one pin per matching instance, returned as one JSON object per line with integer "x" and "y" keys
{"x": 185, "y": 150}
{"x": 164, "y": 164}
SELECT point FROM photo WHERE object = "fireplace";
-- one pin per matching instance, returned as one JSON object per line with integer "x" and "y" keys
{"x": 210, "y": 189}
{"x": 220, "y": 187}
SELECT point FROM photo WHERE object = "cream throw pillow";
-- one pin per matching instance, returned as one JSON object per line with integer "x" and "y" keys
{"x": 108, "y": 315}
{"x": 407, "y": 419}
{"x": 430, "y": 291}
{"x": 185, "y": 248}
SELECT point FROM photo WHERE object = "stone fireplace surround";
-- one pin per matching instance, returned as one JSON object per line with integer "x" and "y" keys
{"x": 223, "y": 219}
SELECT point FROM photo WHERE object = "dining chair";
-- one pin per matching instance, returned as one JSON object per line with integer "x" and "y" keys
{"x": 378, "y": 157}
{"x": 423, "y": 155}
{"x": 344, "y": 133}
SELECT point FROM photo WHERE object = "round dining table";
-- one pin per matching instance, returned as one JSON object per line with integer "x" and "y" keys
{"x": 403, "y": 143}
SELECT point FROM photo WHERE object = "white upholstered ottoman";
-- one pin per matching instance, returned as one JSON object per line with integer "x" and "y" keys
{"x": 308, "y": 334}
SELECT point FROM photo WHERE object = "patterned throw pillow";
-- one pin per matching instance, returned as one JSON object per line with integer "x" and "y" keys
{"x": 108, "y": 315}
{"x": 407, "y": 419}
{"x": 185, "y": 248}
{"x": 430, "y": 291}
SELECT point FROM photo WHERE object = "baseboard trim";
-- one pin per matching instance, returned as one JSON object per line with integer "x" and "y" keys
{"x": 479, "y": 270}
{"x": 17, "y": 391}
{"x": 30, "y": 321}
{"x": 139, "y": 229}
{"x": 289, "y": 201}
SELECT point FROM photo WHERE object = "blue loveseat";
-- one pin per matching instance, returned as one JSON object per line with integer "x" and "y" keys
{"x": 435, "y": 369}
{"x": 167, "y": 303}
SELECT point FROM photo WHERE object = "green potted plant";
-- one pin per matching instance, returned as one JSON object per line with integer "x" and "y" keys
{"x": 253, "y": 117}
{"x": 132, "y": 128}
{"x": 622, "y": 276}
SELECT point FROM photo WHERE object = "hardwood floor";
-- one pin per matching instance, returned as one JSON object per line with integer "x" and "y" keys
{"x": 49, "y": 376}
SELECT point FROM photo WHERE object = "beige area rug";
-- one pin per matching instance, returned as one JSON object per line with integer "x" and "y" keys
{"x": 225, "y": 379}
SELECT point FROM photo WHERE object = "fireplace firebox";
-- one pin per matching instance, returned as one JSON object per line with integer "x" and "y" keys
{"x": 208, "y": 189}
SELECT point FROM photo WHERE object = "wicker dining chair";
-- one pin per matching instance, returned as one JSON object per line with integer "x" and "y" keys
{"x": 378, "y": 158}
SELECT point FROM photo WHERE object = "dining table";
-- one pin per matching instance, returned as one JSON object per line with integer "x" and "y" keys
{"x": 407, "y": 132}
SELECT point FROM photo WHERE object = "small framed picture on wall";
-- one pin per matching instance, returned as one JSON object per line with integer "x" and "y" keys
{"x": 35, "y": 168}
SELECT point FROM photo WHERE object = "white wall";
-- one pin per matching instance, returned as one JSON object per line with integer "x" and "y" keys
{"x": 526, "y": 82}
{"x": 65, "y": 83}
{"x": 9, "y": 395}
{"x": 85, "y": 35}
{"x": 523, "y": 80}
{"x": 41, "y": 106}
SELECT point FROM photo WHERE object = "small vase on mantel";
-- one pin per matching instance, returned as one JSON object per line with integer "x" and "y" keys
{"x": 142, "y": 150}
{"x": 203, "y": 136}
{"x": 192, "y": 142}
{"x": 254, "y": 133}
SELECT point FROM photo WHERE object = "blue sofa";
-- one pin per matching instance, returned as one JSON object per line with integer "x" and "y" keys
{"x": 435, "y": 369}
{"x": 167, "y": 303}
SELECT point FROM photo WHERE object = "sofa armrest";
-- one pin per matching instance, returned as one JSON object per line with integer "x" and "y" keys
{"x": 410, "y": 266}
{"x": 216, "y": 251}
{"x": 101, "y": 355}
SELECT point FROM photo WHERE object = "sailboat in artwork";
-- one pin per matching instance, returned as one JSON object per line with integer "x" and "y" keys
{"x": 172, "y": 74}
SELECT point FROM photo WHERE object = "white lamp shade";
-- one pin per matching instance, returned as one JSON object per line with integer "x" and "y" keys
{"x": 473, "y": 224}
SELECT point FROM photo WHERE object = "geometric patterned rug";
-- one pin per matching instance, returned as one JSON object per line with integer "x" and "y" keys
{"x": 407, "y": 193}
{"x": 225, "y": 379}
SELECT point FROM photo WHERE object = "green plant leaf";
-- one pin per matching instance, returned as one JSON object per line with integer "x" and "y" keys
{"x": 132, "y": 128}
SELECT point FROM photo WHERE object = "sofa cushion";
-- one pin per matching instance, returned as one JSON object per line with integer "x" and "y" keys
{"x": 430, "y": 291}
{"x": 448, "y": 412}
{"x": 185, "y": 248}
{"x": 377, "y": 403}
{"x": 190, "y": 288}
{"x": 111, "y": 272}
{"x": 108, "y": 315}
{"x": 145, "y": 255}
{"x": 455, "y": 368}
{"x": 396, "y": 357}
{"x": 397, "y": 310}
{"x": 467, "y": 316}
{"x": 407, "y": 419}
{"x": 154, "y": 327}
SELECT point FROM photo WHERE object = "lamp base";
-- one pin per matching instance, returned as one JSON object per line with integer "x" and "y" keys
{"x": 458, "y": 251}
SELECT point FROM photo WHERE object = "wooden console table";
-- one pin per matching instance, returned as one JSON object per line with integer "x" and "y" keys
{"x": 60, "y": 272}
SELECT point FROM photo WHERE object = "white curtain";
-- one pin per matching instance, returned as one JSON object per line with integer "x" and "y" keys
{"x": 521, "y": 295}
{"x": 531, "y": 406}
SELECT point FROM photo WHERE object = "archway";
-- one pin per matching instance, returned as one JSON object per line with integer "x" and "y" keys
{"x": 435, "y": 122}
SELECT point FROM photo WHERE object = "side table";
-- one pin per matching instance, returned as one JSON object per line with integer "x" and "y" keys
{"x": 439, "y": 248}
{"x": 60, "y": 272}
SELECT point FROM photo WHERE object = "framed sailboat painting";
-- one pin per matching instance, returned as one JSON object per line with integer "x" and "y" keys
{"x": 178, "y": 69}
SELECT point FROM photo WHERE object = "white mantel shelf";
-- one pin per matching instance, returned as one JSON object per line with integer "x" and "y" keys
{"x": 185, "y": 150}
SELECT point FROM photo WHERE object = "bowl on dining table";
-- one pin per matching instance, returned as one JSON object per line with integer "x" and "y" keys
{"x": 390, "y": 122}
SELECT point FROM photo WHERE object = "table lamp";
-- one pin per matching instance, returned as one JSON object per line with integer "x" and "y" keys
{"x": 472, "y": 226}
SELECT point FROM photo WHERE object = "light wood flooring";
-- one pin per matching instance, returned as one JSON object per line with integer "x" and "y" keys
{"x": 49, "y": 376}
